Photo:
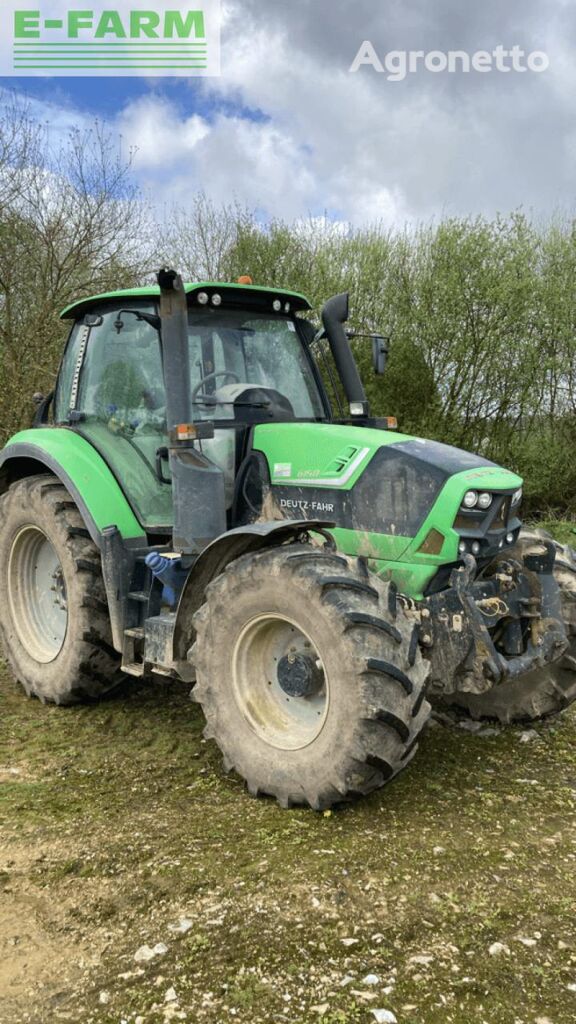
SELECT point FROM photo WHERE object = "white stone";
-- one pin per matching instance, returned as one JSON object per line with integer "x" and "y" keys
{"x": 149, "y": 952}
{"x": 170, "y": 996}
{"x": 384, "y": 1016}
{"x": 144, "y": 953}
{"x": 528, "y": 736}
{"x": 371, "y": 979}
{"x": 184, "y": 925}
{"x": 104, "y": 998}
{"x": 498, "y": 949}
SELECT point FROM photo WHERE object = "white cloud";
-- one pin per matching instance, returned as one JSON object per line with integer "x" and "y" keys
{"x": 229, "y": 158}
{"x": 354, "y": 145}
{"x": 160, "y": 141}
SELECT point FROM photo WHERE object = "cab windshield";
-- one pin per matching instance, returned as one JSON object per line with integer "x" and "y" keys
{"x": 234, "y": 359}
{"x": 233, "y": 351}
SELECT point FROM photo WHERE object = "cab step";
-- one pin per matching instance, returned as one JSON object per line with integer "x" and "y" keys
{"x": 134, "y": 669}
{"x": 133, "y": 651}
{"x": 135, "y": 632}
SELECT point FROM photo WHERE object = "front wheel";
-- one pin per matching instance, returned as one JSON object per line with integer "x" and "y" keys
{"x": 309, "y": 675}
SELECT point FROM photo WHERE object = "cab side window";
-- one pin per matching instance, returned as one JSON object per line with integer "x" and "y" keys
{"x": 122, "y": 383}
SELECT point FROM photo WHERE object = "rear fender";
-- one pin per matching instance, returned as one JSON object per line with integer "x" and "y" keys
{"x": 85, "y": 475}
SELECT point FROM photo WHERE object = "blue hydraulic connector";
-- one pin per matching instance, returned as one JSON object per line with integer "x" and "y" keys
{"x": 171, "y": 573}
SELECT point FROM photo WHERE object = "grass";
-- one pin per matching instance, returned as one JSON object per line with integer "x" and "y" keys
{"x": 117, "y": 821}
{"x": 563, "y": 530}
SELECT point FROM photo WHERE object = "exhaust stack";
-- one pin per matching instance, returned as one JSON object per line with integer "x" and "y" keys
{"x": 197, "y": 483}
{"x": 334, "y": 315}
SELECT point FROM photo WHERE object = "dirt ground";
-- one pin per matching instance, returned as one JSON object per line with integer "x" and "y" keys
{"x": 448, "y": 896}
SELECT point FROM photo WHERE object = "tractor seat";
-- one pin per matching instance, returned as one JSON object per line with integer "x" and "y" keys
{"x": 252, "y": 403}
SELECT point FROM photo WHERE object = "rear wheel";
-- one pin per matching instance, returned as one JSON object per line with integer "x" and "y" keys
{"x": 309, "y": 675}
{"x": 545, "y": 691}
{"x": 54, "y": 621}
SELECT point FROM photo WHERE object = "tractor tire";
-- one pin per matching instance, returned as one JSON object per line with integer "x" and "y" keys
{"x": 545, "y": 691}
{"x": 54, "y": 624}
{"x": 309, "y": 674}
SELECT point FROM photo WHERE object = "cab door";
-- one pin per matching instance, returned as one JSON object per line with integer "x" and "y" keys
{"x": 120, "y": 407}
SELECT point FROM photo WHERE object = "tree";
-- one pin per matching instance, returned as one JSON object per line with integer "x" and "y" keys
{"x": 71, "y": 224}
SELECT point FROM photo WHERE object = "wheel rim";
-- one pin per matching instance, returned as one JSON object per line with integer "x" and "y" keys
{"x": 283, "y": 720}
{"x": 37, "y": 594}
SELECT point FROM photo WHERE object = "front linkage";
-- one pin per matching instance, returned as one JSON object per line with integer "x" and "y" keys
{"x": 483, "y": 631}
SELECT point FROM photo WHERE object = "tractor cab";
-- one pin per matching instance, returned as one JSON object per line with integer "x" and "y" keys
{"x": 246, "y": 363}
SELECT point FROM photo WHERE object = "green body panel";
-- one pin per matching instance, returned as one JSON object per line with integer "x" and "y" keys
{"x": 133, "y": 461}
{"x": 307, "y": 455}
{"x": 312, "y": 449}
{"x": 374, "y": 546}
{"x": 153, "y": 292}
{"x": 83, "y": 472}
{"x": 411, "y": 578}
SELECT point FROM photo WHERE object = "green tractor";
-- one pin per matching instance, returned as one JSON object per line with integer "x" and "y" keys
{"x": 188, "y": 504}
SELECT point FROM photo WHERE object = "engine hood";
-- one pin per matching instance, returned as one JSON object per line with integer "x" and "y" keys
{"x": 328, "y": 455}
{"x": 394, "y": 498}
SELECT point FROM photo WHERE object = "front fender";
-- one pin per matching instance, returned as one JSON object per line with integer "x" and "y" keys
{"x": 81, "y": 469}
{"x": 217, "y": 555}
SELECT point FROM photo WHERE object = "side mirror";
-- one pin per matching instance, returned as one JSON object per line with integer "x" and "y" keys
{"x": 149, "y": 318}
{"x": 379, "y": 354}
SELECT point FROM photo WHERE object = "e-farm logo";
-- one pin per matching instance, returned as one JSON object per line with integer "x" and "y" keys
{"x": 159, "y": 38}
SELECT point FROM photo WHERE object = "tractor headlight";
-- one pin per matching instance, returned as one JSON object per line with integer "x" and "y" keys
{"x": 516, "y": 497}
{"x": 202, "y": 298}
{"x": 470, "y": 499}
{"x": 484, "y": 500}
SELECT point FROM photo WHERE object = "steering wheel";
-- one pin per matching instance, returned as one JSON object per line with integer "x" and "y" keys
{"x": 212, "y": 376}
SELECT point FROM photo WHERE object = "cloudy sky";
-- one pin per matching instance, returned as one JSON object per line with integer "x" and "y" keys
{"x": 289, "y": 131}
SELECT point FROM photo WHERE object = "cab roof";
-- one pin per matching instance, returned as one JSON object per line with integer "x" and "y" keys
{"x": 234, "y": 294}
